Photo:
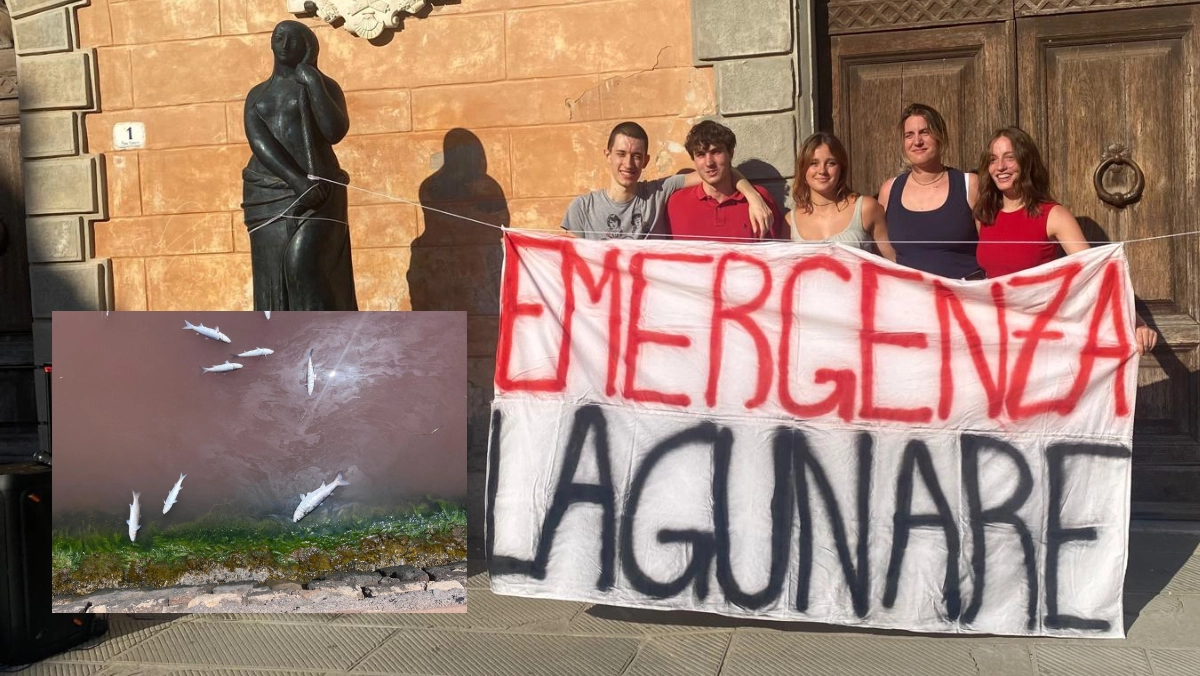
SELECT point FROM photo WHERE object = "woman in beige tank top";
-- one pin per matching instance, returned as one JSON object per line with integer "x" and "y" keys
{"x": 827, "y": 210}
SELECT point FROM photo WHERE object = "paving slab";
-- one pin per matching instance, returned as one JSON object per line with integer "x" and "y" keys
{"x": 1174, "y": 662}
{"x": 485, "y": 611}
{"x": 1089, "y": 660}
{"x": 296, "y": 646}
{"x": 759, "y": 652}
{"x": 63, "y": 669}
{"x": 471, "y": 654}
{"x": 686, "y": 655}
{"x": 1167, "y": 621}
{"x": 124, "y": 632}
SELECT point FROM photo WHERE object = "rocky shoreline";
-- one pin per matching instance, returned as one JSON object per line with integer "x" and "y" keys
{"x": 387, "y": 590}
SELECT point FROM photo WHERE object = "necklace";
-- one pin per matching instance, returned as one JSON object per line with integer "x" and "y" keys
{"x": 819, "y": 204}
{"x": 939, "y": 177}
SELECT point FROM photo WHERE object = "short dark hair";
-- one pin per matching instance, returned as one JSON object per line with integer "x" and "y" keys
{"x": 709, "y": 133}
{"x": 631, "y": 129}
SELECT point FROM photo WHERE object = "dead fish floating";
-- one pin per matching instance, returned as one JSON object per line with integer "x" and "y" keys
{"x": 312, "y": 377}
{"x": 310, "y": 502}
{"x": 135, "y": 513}
{"x": 174, "y": 494}
{"x": 221, "y": 368}
{"x": 203, "y": 330}
{"x": 256, "y": 352}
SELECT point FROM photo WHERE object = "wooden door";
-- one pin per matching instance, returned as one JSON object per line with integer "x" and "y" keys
{"x": 18, "y": 408}
{"x": 964, "y": 72}
{"x": 1094, "y": 80}
{"x": 1080, "y": 79}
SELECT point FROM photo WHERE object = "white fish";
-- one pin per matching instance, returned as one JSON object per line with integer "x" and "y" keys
{"x": 310, "y": 502}
{"x": 135, "y": 511}
{"x": 219, "y": 368}
{"x": 173, "y": 494}
{"x": 256, "y": 352}
{"x": 312, "y": 377}
{"x": 203, "y": 330}
{"x": 267, "y": 313}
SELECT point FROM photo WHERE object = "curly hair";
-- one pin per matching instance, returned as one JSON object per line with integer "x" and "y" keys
{"x": 709, "y": 133}
{"x": 1033, "y": 185}
{"x": 801, "y": 193}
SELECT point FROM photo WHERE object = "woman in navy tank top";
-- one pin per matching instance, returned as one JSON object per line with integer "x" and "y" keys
{"x": 928, "y": 207}
{"x": 1020, "y": 224}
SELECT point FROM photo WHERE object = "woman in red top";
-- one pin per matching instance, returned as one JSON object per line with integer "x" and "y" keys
{"x": 1020, "y": 224}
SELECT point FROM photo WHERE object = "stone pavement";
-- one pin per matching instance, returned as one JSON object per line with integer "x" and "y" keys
{"x": 504, "y": 635}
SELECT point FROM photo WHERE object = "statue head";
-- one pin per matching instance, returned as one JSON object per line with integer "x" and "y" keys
{"x": 294, "y": 43}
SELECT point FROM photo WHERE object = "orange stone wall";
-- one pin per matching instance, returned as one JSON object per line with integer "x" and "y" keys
{"x": 535, "y": 84}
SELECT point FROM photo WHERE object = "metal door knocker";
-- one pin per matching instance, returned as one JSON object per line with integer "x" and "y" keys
{"x": 1115, "y": 155}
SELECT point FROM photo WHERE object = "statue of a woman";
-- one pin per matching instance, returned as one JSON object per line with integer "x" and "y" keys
{"x": 299, "y": 239}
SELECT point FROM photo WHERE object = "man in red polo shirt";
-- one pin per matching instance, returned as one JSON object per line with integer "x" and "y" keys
{"x": 715, "y": 209}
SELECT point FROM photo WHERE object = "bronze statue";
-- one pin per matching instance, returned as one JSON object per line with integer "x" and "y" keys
{"x": 299, "y": 239}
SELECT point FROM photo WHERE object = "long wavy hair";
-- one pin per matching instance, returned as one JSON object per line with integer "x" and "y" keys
{"x": 1033, "y": 185}
{"x": 801, "y": 193}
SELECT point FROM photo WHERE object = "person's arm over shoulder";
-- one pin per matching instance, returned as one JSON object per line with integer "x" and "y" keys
{"x": 777, "y": 228}
{"x": 669, "y": 185}
{"x": 874, "y": 219}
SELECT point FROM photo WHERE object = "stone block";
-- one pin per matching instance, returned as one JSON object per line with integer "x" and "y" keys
{"x": 115, "y": 77}
{"x": 539, "y": 213}
{"x": 380, "y": 279}
{"x": 200, "y": 282}
{"x": 375, "y": 226}
{"x": 507, "y": 104}
{"x": 129, "y": 283}
{"x": 766, "y": 139}
{"x": 764, "y": 85}
{"x": 684, "y": 92}
{"x": 444, "y": 585}
{"x": 579, "y": 164}
{"x": 43, "y": 345}
{"x": 404, "y": 573}
{"x": 149, "y": 21}
{"x": 94, "y": 24}
{"x": 465, "y": 49}
{"x": 407, "y": 166}
{"x": 55, "y": 239}
{"x": 166, "y": 128}
{"x": 55, "y": 81}
{"x": 375, "y": 112}
{"x": 164, "y": 235}
{"x": 192, "y": 179}
{"x": 124, "y": 184}
{"x": 62, "y": 186}
{"x": 192, "y": 62}
{"x": 68, "y": 286}
{"x": 50, "y": 134}
{"x": 20, "y": 8}
{"x": 723, "y": 29}
{"x": 596, "y": 38}
{"x": 44, "y": 32}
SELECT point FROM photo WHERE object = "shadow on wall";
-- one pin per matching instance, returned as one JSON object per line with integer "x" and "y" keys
{"x": 455, "y": 265}
{"x": 456, "y": 260}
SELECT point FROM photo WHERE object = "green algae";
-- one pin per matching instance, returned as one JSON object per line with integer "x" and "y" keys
{"x": 222, "y": 548}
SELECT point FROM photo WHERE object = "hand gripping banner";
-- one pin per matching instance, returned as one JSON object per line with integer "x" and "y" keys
{"x": 809, "y": 432}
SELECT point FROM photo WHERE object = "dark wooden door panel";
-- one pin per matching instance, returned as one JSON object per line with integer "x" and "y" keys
{"x": 1091, "y": 81}
{"x": 965, "y": 72}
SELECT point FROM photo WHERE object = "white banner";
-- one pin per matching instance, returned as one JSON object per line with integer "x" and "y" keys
{"x": 809, "y": 432}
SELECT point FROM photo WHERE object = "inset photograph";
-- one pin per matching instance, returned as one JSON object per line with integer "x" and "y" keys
{"x": 255, "y": 462}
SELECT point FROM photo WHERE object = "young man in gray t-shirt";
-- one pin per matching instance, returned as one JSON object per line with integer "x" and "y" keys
{"x": 634, "y": 209}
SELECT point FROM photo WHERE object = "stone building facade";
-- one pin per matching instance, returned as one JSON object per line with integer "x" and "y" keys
{"x": 497, "y": 110}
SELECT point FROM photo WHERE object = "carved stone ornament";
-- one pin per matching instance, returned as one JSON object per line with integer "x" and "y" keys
{"x": 363, "y": 18}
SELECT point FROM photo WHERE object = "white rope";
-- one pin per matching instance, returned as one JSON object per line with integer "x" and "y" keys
{"x": 645, "y": 236}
